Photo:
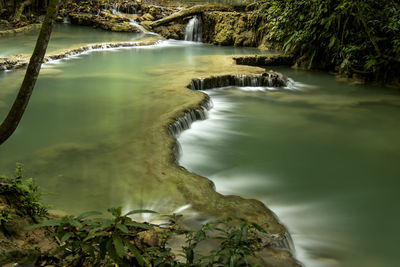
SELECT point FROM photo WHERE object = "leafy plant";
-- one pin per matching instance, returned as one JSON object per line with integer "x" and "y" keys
{"x": 236, "y": 243}
{"x": 5, "y": 217}
{"x": 102, "y": 241}
{"x": 356, "y": 37}
{"x": 99, "y": 240}
{"x": 28, "y": 195}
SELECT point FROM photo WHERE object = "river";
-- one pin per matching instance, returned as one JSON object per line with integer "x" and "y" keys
{"x": 322, "y": 155}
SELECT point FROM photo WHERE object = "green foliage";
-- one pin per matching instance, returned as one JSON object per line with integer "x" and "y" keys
{"x": 28, "y": 195}
{"x": 6, "y": 216}
{"x": 236, "y": 243}
{"x": 101, "y": 241}
{"x": 354, "y": 36}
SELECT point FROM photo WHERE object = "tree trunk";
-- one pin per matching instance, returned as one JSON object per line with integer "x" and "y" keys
{"x": 190, "y": 12}
{"x": 20, "y": 9}
{"x": 17, "y": 110}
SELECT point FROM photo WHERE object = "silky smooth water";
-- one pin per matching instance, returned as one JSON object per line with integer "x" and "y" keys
{"x": 323, "y": 156}
{"x": 63, "y": 36}
{"x": 83, "y": 134}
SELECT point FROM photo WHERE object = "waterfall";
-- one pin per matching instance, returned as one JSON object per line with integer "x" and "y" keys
{"x": 193, "y": 30}
{"x": 66, "y": 20}
{"x": 137, "y": 25}
{"x": 266, "y": 79}
{"x": 184, "y": 122}
{"x": 115, "y": 9}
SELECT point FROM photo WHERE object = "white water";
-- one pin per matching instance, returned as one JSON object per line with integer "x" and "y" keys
{"x": 140, "y": 27}
{"x": 66, "y": 20}
{"x": 217, "y": 126}
{"x": 193, "y": 31}
{"x": 115, "y": 9}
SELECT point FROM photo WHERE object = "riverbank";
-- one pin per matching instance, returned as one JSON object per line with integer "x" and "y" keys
{"x": 249, "y": 25}
{"x": 156, "y": 146}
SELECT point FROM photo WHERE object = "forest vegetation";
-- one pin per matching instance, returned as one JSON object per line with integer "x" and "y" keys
{"x": 355, "y": 38}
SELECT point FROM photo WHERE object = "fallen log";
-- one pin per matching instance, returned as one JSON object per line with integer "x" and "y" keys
{"x": 195, "y": 10}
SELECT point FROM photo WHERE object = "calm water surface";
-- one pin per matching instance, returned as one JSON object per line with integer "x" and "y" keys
{"x": 87, "y": 120}
{"x": 63, "y": 36}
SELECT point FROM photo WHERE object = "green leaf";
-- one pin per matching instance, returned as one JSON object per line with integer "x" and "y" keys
{"x": 332, "y": 42}
{"x": 76, "y": 223}
{"x": 44, "y": 224}
{"x": 93, "y": 235}
{"x": 115, "y": 211}
{"x": 66, "y": 237}
{"x": 105, "y": 222}
{"x": 140, "y": 225}
{"x": 123, "y": 228}
{"x": 136, "y": 253}
{"x": 119, "y": 247}
{"x": 111, "y": 250}
{"x": 139, "y": 211}
{"x": 88, "y": 214}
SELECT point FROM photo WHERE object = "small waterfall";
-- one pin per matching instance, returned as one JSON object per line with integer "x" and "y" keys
{"x": 66, "y": 20}
{"x": 266, "y": 79}
{"x": 115, "y": 9}
{"x": 137, "y": 25}
{"x": 131, "y": 10}
{"x": 184, "y": 122}
{"x": 118, "y": 9}
{"x": 193, "y": 31}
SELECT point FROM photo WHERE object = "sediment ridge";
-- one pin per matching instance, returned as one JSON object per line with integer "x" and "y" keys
{"x": 21, "y": 61}
{"x": 281, "y": 240}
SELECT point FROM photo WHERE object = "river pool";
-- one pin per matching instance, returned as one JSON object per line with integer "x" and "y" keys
{"x": 323, "y": 155}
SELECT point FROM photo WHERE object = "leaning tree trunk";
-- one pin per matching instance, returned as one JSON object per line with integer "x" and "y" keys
{"x": 18, "y": 108}
{"x": 20, "y": 9}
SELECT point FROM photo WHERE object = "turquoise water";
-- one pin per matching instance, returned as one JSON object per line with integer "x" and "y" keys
{"x": 324, "y": 157}
{"x": 88, "y": 119}
{"x": 64, "y": 36}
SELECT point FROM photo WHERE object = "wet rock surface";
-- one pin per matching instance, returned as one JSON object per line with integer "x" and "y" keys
{"x": 232, "y": 28}
{"x": 105, "y": 21}
{"x": 21, "y": 61}
{"x": 271, "y": 79}
{"x": 268, "y": 60}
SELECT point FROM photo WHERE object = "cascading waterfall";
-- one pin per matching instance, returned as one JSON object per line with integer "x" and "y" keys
{"x": 193, "y": 31}
{"x": 118, "y": 9}
{"x": 280, "y": 241}
{"x": 115, "y": 9}
{"x": 137, "y": 25}
{"x": 184, "y": 122}
{"x": 190, "y": 116}
{"x": 268, "y": 79}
